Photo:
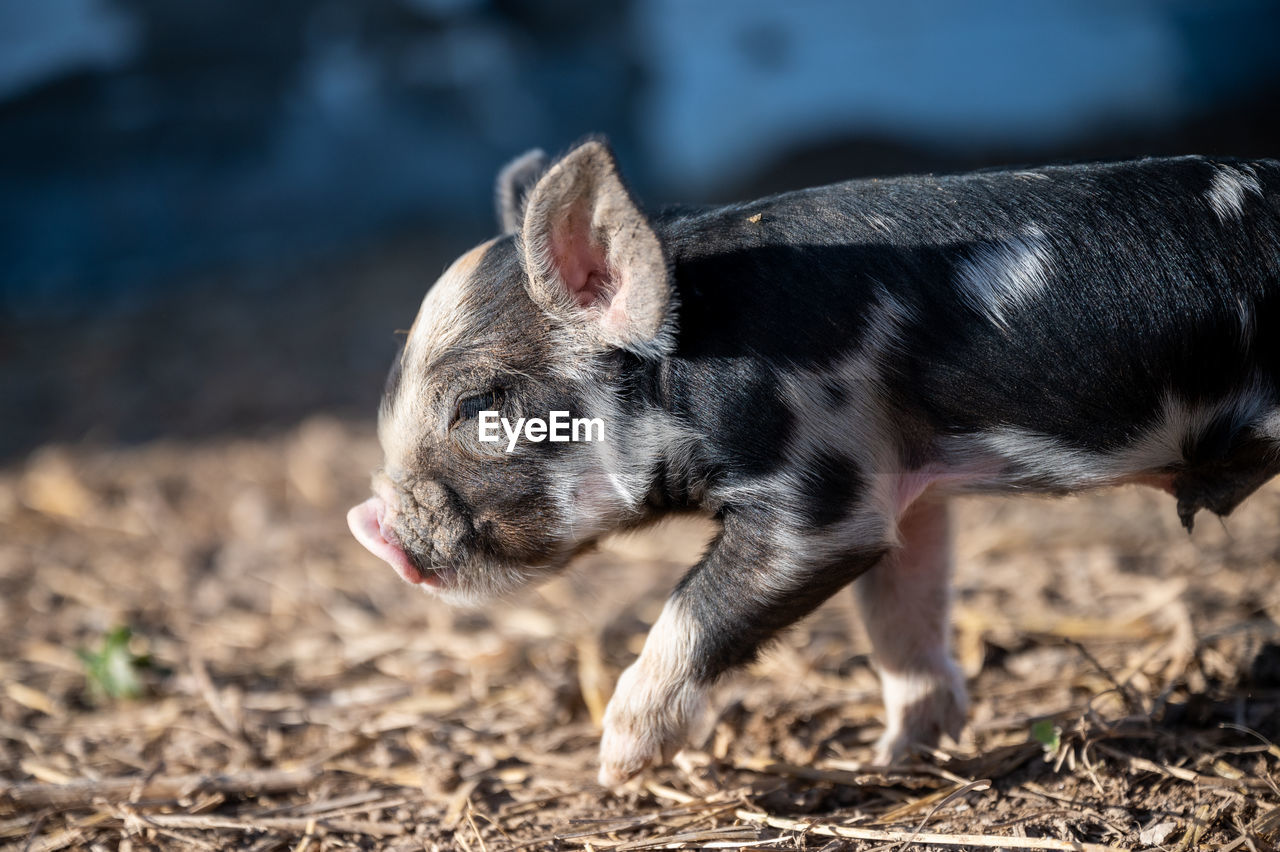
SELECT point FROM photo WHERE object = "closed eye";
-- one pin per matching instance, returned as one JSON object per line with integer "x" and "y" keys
{"x": 471, "y": 406}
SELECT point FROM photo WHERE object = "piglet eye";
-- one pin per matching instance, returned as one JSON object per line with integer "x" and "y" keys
{"x": 469, "y": 407}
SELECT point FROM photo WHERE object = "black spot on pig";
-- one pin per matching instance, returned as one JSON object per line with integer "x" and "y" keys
{"x": 832, "y": 487}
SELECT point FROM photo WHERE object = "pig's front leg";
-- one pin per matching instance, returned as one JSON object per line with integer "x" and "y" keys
{"x": 655, "y": 700}
{"x": 905, "y": 601}
{"x": 754, "y": 581}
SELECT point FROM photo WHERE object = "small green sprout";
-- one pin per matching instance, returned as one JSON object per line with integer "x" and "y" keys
{"x": 114, "y": 671}
{"x": 1047, "y": 734}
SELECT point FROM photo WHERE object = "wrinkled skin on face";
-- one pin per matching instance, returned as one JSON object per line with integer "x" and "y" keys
{"x": 525, "y": 324}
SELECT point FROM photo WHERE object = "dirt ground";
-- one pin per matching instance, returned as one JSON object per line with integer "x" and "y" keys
{"x": 294, "y": 694}
{"x": 298, "y": 695}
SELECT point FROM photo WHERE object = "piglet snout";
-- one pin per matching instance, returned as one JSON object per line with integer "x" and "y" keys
{"x": 369, "y": 524}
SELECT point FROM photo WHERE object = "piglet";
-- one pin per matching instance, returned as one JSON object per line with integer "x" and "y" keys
{"x": 820, "y": 371}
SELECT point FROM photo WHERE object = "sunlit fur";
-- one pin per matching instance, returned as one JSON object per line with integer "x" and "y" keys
{"x": 820, "y": 371}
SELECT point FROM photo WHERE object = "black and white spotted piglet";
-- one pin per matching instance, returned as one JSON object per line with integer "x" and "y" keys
{"x": 820, "y": 371}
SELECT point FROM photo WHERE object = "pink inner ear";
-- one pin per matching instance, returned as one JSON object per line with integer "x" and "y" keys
{"x": 582, "y": 265}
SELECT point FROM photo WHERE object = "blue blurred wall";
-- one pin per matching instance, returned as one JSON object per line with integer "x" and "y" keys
{"x": 143, "y": 141}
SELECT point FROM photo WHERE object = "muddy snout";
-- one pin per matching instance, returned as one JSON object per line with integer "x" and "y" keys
{"x": 418, "y": 531}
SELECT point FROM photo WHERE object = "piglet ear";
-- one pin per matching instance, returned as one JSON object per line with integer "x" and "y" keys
{"x": 591, "y": 254}
{"x": 511, "y": 190}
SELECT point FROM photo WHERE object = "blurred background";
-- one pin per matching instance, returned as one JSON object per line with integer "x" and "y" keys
{"x": 213, "y": 214}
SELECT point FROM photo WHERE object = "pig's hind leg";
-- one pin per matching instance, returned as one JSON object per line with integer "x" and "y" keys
{"x": 905, "y": 602}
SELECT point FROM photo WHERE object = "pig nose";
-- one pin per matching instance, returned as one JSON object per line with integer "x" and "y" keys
{"x": 368, "y": 523}
{"x": 430, "y": 495}
{"x": 420, "y": 495}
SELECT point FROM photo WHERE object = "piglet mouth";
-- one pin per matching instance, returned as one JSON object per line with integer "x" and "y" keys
{"x": 368, "y": 522}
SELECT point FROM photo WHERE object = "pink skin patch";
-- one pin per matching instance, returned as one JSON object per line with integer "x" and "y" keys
{"x": 368, "y": 524}
{"x": 1161, "y": 481}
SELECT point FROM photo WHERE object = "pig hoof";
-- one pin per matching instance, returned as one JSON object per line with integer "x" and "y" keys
{"x": 920, "y": 708}
{"x": 645, "y": 723}
{"x": 624, "y": 757}
{"x": 627, "y": 749}
{"x": 634, "y": 742}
